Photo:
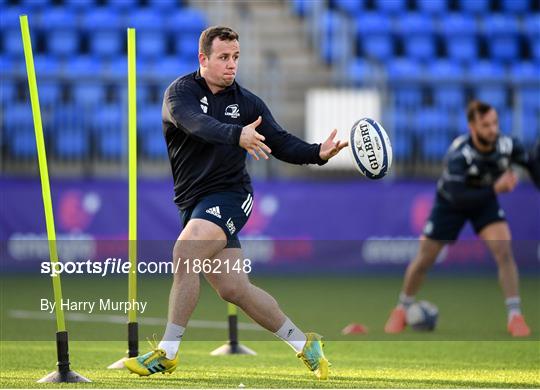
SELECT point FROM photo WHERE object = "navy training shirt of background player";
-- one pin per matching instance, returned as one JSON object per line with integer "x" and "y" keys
{"x": 202, "y": 131}
{"x": 468, "y": 177}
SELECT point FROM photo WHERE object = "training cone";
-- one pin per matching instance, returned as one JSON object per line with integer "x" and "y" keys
{"x": 355, "y": 329}
{"x": 232, "y": 349}
{"x": 63, "y": 377}
{"x": 118, "y": 365}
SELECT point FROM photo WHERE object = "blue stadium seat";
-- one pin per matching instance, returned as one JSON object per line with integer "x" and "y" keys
{"x": 361, "y": 71}
{"x": 19, "y": 119}
{"x": 493, "y": 94}
{"x": 435, "y": 145}
{"x": 391, "y": 6}
{"x": 23, "y": 145}
{"x": 57, "y": 18}
{"x": 506, "y": 124}
{"x": 187, "y": 46}
{"x": 165, "y": 5}
{"x": 489, "y": 86}
{"x": 151, "y": 43}
{"x": 154, "y": 146}
{"x": 500, "y": 25}
{"x": 111, "y": 146}
{"x": 459, "y": 32}
{"x": 524, "y": 72}
{"x": 486, "y": 70}
{"x": 151, "y": 39}
{"x": 7, "y": 90}
{"x": 530, "y": 96}
{"x": 88, "y": 93}
{"x": 433, "y": 7}
{"x": 432, "y": 120}
{"x": 531, "y": 126}
{"x": 46, "y": 66}
{"x": 302, "y": 7}
{"x": 404, "y": 69}
{"x": 502, "y": 36}
{"x": 59, "y": 25}
{"x": 374, "y": 35}
{"x": 33, "y": 5}
{"x": 416, "y": 31}
{"x": 187, "y": 20}
{"x": 433, "y": 127}
{"x": 123, "y": 5}
{"x": 515, "y": 6}
{"x": 448, "y": 90}
{"x": 79, "y": 5}
{"x": 401, "y": 146}
{"x": 169, "y": 68}
{"x": 531, "y": 25}
{"x": 475, "y": 6}
{"x": 104, "y": 28}
{"x": 415, "y": 23}
{"x": 352, "y": 7}
{"x": 403, "y": 76}
{"x": 68, "y": 116}
{"x": 83, "y": 66}
{"x": 109, "y": 119}
{"x": 71, "y": 144}
{"x": 149, "y": 119}
{"x": 11, "y": 32}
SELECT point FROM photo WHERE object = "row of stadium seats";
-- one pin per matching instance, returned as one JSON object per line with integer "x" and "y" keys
{"x": 89, "y": 4}
{"x": 102, "y": 31}
{"x": 456, "y": 36}
{"x": 74, "y": 135}
{"x": 434, "y": 7}
{"x": 75, "y": 132}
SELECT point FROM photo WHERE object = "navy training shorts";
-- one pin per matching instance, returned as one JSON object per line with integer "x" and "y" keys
{"x": 229, "y": 210}
{"x": 446, "y": 221}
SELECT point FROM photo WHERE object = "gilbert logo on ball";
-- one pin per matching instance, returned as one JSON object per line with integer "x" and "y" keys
{"x": 370, "y": 147}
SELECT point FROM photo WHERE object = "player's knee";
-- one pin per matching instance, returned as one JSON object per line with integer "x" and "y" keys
{"x": 232, "y": 293}
{"x": 504, "y": 257}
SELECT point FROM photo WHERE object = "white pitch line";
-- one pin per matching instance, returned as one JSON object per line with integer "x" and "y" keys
{"x": 118, "y": 319}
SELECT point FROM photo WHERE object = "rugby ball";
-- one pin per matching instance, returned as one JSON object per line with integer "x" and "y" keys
{"x": 370, "y": 147}
{"x": 422, "y": 316}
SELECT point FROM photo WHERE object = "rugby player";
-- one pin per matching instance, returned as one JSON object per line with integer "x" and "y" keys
{"x": 209, "y": 123}
{"x": 477, "y": 169}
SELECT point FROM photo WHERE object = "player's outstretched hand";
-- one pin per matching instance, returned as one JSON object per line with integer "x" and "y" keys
{"x": 329, "y": 148}
{"x": 252, "y": 141}
{"x": 506, "y": 183}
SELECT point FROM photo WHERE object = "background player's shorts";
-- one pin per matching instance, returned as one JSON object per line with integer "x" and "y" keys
{"x": 229, "y": 210}
{"x": 446, "y": 221}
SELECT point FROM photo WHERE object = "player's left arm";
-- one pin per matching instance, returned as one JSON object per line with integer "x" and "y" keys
{"x": 529, "y": 159}
{"x": 289, "y": 148}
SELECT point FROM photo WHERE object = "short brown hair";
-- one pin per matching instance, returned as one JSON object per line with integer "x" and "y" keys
{"x": 211, "y": 33}
{"x": 477, "y": 108}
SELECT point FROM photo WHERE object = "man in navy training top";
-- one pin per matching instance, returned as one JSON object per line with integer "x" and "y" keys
{"x": 477, "y": 169}
{"x": 209, "y": 123}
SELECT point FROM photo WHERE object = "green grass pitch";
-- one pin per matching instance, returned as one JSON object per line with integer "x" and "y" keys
{"x": 470, "y": 347}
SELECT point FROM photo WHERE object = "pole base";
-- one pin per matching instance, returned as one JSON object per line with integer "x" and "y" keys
{"x": 232, "y": 349}
{"x": 63, "y": 377}
{"x": 118, "y": 365}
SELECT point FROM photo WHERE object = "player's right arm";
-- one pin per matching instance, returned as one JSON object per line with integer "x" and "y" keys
{"x": 181, "y": 107}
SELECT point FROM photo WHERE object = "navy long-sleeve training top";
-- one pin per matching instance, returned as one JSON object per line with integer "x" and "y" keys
{"x": 202, "y": 131}
{"x": 469, "y": 175}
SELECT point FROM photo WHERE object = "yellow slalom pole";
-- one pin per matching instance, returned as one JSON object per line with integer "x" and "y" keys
{"x": 43, "y": 170}
{"x": 133, "y": 327}
{"x": 132, "y": 166}
{"x": 232, "y": 310}
{"x": 63, "y": 373}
